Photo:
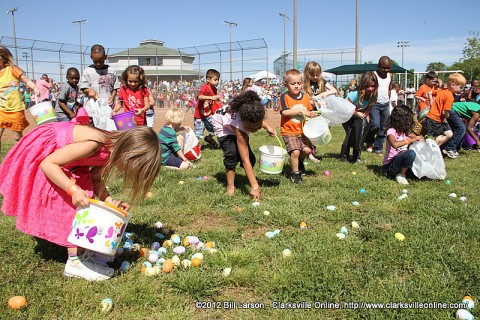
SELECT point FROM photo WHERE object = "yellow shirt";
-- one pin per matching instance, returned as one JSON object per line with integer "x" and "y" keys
{"x": 10, "y": 96}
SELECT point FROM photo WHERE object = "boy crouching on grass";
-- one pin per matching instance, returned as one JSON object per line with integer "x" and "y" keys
{"x": 295, "y": 106}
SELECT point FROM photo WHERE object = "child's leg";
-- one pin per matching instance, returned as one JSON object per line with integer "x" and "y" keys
{"x": 230, "y": 173}
{"x": 211, "y": 132}
{"x": 312, "y": 157}
{"x": 294, "y": 160}
{"x": 359, "y": 126}
{"x": 180, "y": 141}
{"x": 444, "y": 138}
{"x": 401, "y": 163}
{"x": 1, "y": 133}
{"x": 345, "y": 149}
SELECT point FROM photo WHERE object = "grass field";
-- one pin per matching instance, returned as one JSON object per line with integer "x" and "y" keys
{"x": 438, "y": 261}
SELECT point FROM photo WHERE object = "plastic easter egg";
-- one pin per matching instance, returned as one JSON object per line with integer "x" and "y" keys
{"x": 326, "y": 173}
{"x": 355, "y": 225}
{"x": 269, "y": 234}
{"x": 355, "y": 203}
{"x": 153, "y": 257}
{"x": 148, "y": 264}
{"x": 158, "y": 225}
{"x": 128, "y": 235}
{"x": 266, "y": 213}
{"x": 179, "y": 250}
{"x": 276, "y": 231}
{"x": 200, "y": 245}
{"x": 167, "y": 266}
{"x": 362, "y": 191}
{"x": 185, "y": 242}
{"x": 239, "y": 210}
{"x": 106, "y": 304}
{"x": 157, "y": 269}
{"x": 199, "y": 178}
{"x": 125, "y": 266}
{"x": 255, "y": 204}
{"x": 176, "y": 260}
{"x": 452, "y": 195}
{"x": 354, "y": 173}
{"x": 155, "y": 246}
{"x": 340, "y": 236}
{"x": 205, "y": 177}
{"x": 186, "y": 263}
{"x": 463, "y": 314}
{"x": 167, "y": 243}
{"x": 119, "y": 251}
{"x": 344, "y": 230}
{"x": 150, "y": 272}
{"x": 331, "y": 208}
{"x": 399, "y": 236}
{"x": 181, "y": 182}
{"x": 162, "y": 250}
{"x": 136, "y": 247}
{"x": 149, "y": 195}
{"x": 468, "y": 302}
{"x": 159, "y": 235}
{"x": 193, "y": 240}
{"x": 17, "y": 302}
{"x": 303, "y": 225}
{"x": 175, "y": 239}
{"x": 144, "y": 251}
{"x": 402, "y": 197}
{"x": 448, "y": 182}
{"x": 404, "y": 191}
{"x": 286, "y": 253}
{"x": 196, "y": 262}
{"x": 226, "y": 272}
{"x": 463, "y": 199}
{"x": 210, "y": 244}
{"x": 211, "y": 251}
{"x": 160, "y": 262}
{"x": 198, "y": 255}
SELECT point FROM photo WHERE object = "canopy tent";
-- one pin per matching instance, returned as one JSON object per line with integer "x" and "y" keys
{"x": 361, "y": 68}
{"x": 263, "y": 75}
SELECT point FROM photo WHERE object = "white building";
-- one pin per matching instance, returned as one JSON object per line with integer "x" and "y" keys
{"x": 160, "y": 63}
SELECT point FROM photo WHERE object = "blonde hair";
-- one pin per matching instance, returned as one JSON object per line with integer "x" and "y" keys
{"x": 137, "y": 153}
{"x": 291, "y": 72}
{"x": 457, "y": 78}
{"x": 312, "y": 68}
{"x": 174, "y": 116}
{"x": 246, "y": 83}
{"x": 367, "y": 78}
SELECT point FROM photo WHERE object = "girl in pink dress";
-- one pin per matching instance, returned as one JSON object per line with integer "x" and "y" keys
{"x": 133, "y": 94}
{"x": 57, "y": 167}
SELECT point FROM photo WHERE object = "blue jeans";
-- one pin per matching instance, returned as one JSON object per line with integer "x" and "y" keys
{"x": 402, "y": 160}
{"x": 455, "y": 122}
{"x": 378, "y": 121}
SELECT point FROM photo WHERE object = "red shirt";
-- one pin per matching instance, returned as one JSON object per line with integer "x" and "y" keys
{"x": 133, "y": 100}
{"x": 206, "y": 108}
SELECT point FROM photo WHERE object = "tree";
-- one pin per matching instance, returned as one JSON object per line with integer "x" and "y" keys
{"x": 471, "y": 56}
{"x": 436, "y": 66}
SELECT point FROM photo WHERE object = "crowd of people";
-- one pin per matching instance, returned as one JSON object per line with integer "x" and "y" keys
{"x": 69, "y": 161}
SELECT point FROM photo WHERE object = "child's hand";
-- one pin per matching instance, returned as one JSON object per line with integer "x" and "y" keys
{"x": 80, "y": 198}
{"x": 255, "y": 193}
{"x": 418, "y": 138}
{"x": 272, "y": 132}
{"x": 311, "y": 114}
{"x": 187, "y": 129}
{"x": 138, "y": 112}
{"x": 36, "y": 91}
{"x": 92, "y": 94}
{"x": 118, "y": 203}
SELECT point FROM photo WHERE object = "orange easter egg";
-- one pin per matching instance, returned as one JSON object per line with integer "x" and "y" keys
{"x": 168, "y": 266}
{"x": 210, "y": 244}
{"x": 196, "y": 262}
{"x": 144, "y": 251}
{"x": 17, "y": 302}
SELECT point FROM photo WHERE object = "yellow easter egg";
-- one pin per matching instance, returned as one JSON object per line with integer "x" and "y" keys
{"x": 196, "y": 262}
{"x": 210, "y": 244}
{"x": 149, "y": 195}
{"x": 186, "y": 243}
{"x": 167, "y": 243}
{"x": 399, "y": 236}
{"x": 303, "y": 225}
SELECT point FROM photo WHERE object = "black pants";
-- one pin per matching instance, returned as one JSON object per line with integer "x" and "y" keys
{"x": 354, "y": 131}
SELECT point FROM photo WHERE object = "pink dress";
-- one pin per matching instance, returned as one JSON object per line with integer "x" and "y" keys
{"x": 42, "y": 209}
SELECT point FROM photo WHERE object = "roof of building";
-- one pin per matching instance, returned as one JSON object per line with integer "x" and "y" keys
{"x": 149, "y": 48}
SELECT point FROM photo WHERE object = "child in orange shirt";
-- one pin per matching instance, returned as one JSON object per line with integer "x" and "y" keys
{"x": 295, "y": 106}
{"x": 424, "y": 94}
{"x": 434, "y": 123}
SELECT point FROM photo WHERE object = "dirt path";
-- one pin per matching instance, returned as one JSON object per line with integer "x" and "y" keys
{"x": 273, "y": 119}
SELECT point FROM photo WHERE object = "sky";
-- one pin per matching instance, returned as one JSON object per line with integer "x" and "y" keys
{"x": 436, "y": 30}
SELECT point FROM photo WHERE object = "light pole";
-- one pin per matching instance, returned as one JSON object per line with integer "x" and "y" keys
{"x": 403, "y": 45}
{"x": 62, "y": 66}
{"x": 230, "y": 25}
{"x": 12, "y": 12}
{"x": 295, "y": 34}
{"x": 356, "y": 31}
{"x": 26, "y": 55}
{"x": 284, "y": 16}
{"x": 79, "y": 23}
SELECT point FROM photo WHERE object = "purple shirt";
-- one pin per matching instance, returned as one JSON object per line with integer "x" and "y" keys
{"x": 223, "y": 124}
{"x": 390, "y": 151}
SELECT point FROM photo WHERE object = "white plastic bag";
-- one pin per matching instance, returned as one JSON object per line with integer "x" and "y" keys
{"x": 335, "y": 109}
{"x": 428, "y": 161}
{"x": 191, "y": 145}
{"x": 100, "y": 112}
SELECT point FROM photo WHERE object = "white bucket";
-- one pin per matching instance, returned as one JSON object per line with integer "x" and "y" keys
{"x": 317, "y": 131}
{"x": 43, "y": 112}
{"x": 99, "y": 227}
{"x": 272, "y": 159}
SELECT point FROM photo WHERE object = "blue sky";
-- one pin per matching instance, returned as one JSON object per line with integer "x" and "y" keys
{"x": 436, "y": 30}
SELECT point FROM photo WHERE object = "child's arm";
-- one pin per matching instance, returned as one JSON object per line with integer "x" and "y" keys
{"x": 111, "y": 100}
{"x": 470, "y": 125}
{"x": 397, "y": 144}
{"x": 118, "y": 106}
{"x": 303, "y": 112}
{"x": 29, "y": 84}
{"x": 242, "y": 146}
{"x": 146, "y": 106}
{"x": 65, "y": 109}
{"x": 204, "y": 97}
{"x": 272, "y": 132}
{"x": 329, "y": 90}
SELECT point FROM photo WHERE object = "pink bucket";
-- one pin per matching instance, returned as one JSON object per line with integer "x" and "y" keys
{"x": 125, "y": 121}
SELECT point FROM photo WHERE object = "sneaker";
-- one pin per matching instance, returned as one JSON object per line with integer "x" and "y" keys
{"x": 343, "y": 158}
{"x": 378, "y": 152}
{"x": 370, "y": 149}
{"x": 456, "y": 154}
{"x": 296, "y": 177}
{"x": 98, "y": 257}
{"x": 451, "y": 154}
{"x": 86, "y": 268}
{"x": 401, "y": 179}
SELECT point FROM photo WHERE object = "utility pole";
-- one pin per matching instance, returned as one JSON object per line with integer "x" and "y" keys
{"x": 79, "y": 23}
{"x": 230, "y": 25}
{"x": 284, "y": 16}
{"x": 12, "y": 12}
{"x": 26, "y": 55}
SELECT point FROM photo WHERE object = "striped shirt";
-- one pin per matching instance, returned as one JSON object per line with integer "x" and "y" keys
{"x": 168, "y": 142}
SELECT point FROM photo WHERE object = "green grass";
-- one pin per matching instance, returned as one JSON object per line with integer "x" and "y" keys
{"x": 438, "y": 261}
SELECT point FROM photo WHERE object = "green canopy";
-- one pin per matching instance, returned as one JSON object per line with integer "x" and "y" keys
{"x": 361, "y": 68}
